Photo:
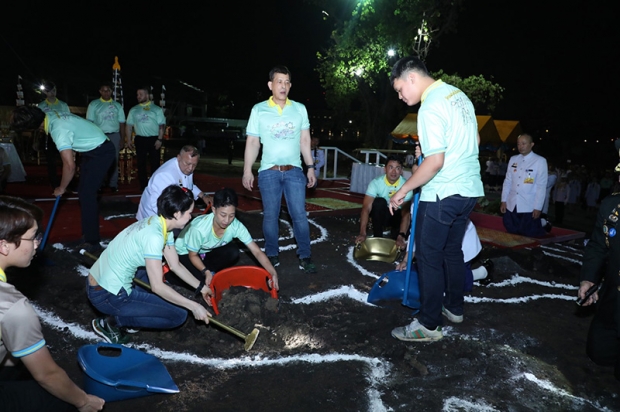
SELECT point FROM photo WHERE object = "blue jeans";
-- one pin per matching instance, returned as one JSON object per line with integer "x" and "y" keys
{"x": 440, "y": 227}
{"x": 272, "y": 183}
{"x": 140, "y": 309}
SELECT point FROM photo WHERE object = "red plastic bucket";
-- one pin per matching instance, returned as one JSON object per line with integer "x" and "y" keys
{"x": 248, "y": 276}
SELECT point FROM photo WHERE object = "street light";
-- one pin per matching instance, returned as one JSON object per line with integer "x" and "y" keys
{"x": 391, "y": 52}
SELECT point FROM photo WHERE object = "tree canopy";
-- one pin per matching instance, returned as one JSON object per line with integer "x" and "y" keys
{"x": 354, "y": 69}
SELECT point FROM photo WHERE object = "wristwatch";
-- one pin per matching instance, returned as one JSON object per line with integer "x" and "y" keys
{"x": 310, "y": 166}
{"x": 403, "y": 235}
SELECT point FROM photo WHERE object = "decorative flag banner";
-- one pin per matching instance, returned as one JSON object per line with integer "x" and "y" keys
{"x": 20, "y": 92}
{"x": 117, "y": 92}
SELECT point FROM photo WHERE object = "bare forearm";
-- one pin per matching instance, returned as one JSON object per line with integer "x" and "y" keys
{"x": 58, "y": 384}
{"x": 68, "y": 171}
{"x": 306, "y": 151}
{"x": 183, "y": 274}
{"x": 252, "y": 147}
{"x": 128, "y": 130}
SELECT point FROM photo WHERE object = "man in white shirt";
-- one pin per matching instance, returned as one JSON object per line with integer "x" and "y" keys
{"x": 524, "y": 190}
{"x": 176, "y": 171}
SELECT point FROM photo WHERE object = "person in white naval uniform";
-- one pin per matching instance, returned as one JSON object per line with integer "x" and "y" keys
{"x": 524, "y": 190}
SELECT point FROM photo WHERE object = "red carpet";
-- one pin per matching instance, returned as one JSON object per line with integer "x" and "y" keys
{"x": 66, "y": 225}
{"x": 491, "y": 230}
{"x": 330, "y": 197}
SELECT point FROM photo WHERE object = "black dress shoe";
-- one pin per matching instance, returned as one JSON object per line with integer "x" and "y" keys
{"x": 113, "y": 189}
{"x": 489, "y": 266}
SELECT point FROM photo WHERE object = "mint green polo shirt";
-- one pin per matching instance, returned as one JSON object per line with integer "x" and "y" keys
{"x": 58, "y": 105}
{"x": 199, "y": 237}
{"x": 142, "y": 240}
{"x": 447, "y": 124}
{"x": 381, "y": 187}
{"x": 108, "y": 115}
{"x": 146, "y": 119}
{"x": 69, "y": 131}
{"x": 279, "y": 131}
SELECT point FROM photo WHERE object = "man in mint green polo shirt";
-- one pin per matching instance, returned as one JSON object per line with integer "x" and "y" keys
{"x": 148, "y": 121}
{"x": 450, "y": 183}
{"x": 50, "y": 103}
{"x": 110, "y": 117}
{"x": 72, "y": 133}
{"x": 282, "y": 127}
{"x": 377, "y": 199}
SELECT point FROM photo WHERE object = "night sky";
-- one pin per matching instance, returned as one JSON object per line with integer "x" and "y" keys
{"x": 556, "y": 60}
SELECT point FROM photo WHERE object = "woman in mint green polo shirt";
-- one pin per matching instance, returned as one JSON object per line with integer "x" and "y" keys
{"x": 110, "y": 281}
{"x": 212, "y": 235}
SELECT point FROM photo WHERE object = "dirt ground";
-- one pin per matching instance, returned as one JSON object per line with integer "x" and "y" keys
{"x": 321, "y": 347}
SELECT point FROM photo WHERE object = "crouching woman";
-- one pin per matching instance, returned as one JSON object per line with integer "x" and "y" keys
{"x": 110, "y": 282}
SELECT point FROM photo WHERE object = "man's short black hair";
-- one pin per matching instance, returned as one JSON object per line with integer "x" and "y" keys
{"x": 281, "y": 70}
{"x": 26, "y": 117}
{"x": 394, "y": 158}
{"x": 48, "y": 85}
{"x": 225, "y": 197}
{"x": 106, "y": 84}
{"x": 408, "y": 64}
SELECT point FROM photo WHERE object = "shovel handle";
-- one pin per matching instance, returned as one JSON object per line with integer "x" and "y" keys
{"x": 49, "y": 224}
{"x": 215, "y": 322}
{"x": 228, "y": 328}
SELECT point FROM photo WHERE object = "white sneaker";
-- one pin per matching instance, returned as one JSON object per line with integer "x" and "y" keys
{"x": 451, "y": 316}
{"x": 416, "y": 332}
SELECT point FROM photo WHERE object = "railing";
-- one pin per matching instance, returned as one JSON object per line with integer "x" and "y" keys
{"x": 336, "y": 153}
{"x": 380, "y": 156}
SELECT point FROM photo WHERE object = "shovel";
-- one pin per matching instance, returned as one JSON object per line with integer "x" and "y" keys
{"x": 249, "y": 339}
{"x": 46, "y": 261}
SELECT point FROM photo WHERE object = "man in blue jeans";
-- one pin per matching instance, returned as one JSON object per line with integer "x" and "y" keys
{"x": 450, "y": 180}
{"x": 282, "y": 127}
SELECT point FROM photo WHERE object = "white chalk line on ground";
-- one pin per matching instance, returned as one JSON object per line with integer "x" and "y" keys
{"x": 122, "y": 216}
{"x": 343, "y": 291}
{"x": 550, "y": 387}
{"x": 376, "y": 371}
{"x": 291, "y": 235}
{"x": 362, "y": 270}
{"x": 517, "y": 279}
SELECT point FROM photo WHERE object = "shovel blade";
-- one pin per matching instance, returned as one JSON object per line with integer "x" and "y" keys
{"x": 251, "y": 339}
{"x": 391, "y": 286}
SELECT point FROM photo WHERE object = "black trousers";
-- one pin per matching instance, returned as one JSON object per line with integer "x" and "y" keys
{"x": 145, "y": 147}
{"x": 94, "y": 167}
{"x": 216, "y": 260}
{"x": 381, "y": 218}
{"x": 603, "y": 345}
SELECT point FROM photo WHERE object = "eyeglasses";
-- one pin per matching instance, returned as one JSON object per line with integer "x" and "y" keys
{"x": 37, "y": 239}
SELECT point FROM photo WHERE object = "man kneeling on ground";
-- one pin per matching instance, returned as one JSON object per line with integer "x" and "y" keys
{"x": 376, "y": 201}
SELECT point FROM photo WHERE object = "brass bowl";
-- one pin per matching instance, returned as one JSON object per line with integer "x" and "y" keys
{"x": 377, "y": 248}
